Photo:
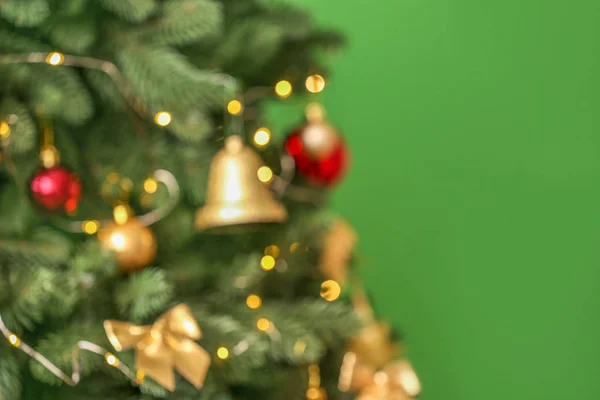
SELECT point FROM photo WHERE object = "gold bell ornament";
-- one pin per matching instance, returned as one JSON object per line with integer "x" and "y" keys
{"x": 133, "y": 243}
{"x": 235, "y": 194}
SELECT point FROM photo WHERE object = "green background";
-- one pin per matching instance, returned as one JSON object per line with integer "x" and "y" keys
{"x": 475, "y": 186}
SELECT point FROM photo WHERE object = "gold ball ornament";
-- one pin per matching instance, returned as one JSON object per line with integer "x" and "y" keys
{"x": 320, "y": 138}
{"x": 373, "y": 345}
{"x": 133, "y": 244}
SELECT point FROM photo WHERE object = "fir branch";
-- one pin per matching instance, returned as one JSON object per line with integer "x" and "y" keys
{"x": 10, "y": 375}
{"x": 25, "y": 13}
{"x": 144, "y": 294}
{"x": 74, "y": 35}
{"x": 58, "y": 348}
{"x": 23, "y": 135}
{"x": 183, "y": 22}
{"x": 130, "y": 10}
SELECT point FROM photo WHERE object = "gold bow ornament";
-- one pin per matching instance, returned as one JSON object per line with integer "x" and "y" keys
{"x": 167, "y": 345}
{"x": 395, "y": 381}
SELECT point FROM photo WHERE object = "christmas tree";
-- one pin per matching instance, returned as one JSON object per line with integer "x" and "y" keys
{"x": 155, "y": 240}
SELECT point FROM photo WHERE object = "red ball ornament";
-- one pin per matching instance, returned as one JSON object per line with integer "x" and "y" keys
{"x": 56, "y": 189}
{"x": 320, "y": 154}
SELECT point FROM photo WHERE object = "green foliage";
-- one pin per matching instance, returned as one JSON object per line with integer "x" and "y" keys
{"x": 144, "y": 294}
{"x": 56, "y": 288}
{"x": 185, "y": 21}
{"x": 25, "y": 12}
{"x": 59, "y": 347}
{"x": 10, "y": 375}
{"x": 130, "y": 10}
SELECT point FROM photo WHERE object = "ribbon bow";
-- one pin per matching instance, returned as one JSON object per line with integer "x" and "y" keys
{"x": 368, "y": 367}
{"x": 167, "y": 345}
{"x": 396, "y": 381}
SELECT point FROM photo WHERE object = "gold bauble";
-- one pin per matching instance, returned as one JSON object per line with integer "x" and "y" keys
{"x": 235, "y": 195}
{"x": 319, "y": 138}
{"x": 133, "y": 244}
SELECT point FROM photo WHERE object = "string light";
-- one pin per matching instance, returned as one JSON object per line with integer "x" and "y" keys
{"x": 283, "y": 89}
{"x": 265, "y": 174}
{"x": 150, "y": 185}
{"x": 253, "y": 301}
{"x": 234, "y": 107}
{"x": 222, "y": 353}
{"x": 263, "y": 324}
{"x": 90, "y": 227}
{"x": 315, "y": 83}
{"x": 262, "y": 137}
{"x": 111, "y": 359}
{"x": 330, "y": 290}
{"x": 294, "y": 246}
{"x": 140, "y": 376}
{"x": 272, "y": 251}
{"x": 14, "y": 340}
{"x": 121, "y": 214}
{"x": 163, "y": 118}
{"x": 267, "y": 263}
{"x": 55, "y": 58}
{"x": 4, "y": 130}
{"x": 299, "y": 347}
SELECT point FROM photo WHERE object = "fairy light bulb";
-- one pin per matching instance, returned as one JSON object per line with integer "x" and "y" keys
{"x": 222, "y": 353}
{"x": 163, "y": 118}
{"x": 267, "y": 263}
{"x": 315, "y": 83}
{"x": 14, "y": 340}
{"x": 4, "y": 130}
{"x": 253, "y": 301}
{"x": 330, "y": 290}
{"x": 55, "y": 58}
{"x": 234, "y": 107}
{"x": 262, "y": 137}
{"x": 111, "y": 359}
{"x": 265, "y": 174}
{"x": 150, "y": 185}
{"x": 283, "y": 89}
{"x": 90, "y": 227}
{"x": 263, "y": 324}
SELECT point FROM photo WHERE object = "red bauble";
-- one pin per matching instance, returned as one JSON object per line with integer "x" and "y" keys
{"x": 56, "y": 189}
{"x": 320, "y": 154}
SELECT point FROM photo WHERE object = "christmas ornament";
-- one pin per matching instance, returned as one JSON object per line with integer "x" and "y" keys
{"x": 132, "y": 242}
{"x": 235, "y": 194}
{"x": 55, "y": 189}
{"x": 396, "y": 381}
{"x": 320, "y": 153}
{"x": 338, "y": 245}
{"x": 168, "y": 345}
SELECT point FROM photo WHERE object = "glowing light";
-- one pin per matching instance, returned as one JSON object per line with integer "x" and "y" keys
{"x": 234, "y": 107}
{"x": 4, "y": 130}
{"x": 118, "y": 241}
{"x": 253, "y": 301}
{"x": 163, "y": 118}
{"x": 262, "y": 137}
{"x": 267, "y": 263}
{"x": 283, "y": 89}
{"x": 330, "y": 290}
{"x": 55, "y": 58}
{"x": 111, "y": 359}
{"x": 90, "y": 227}
{"x": 265, "y": 174}
{"x": 313, "y": 394}
{"x": 150, "y": 185}
{"x": 315, "y": 83}
{"x": 140, "y": 376}
{"x": 121, "y": 214}
{"x": 14, "y": 340}
{"x": 299, "y": 347}
{"x": 294, "y": 246}
{"x": 113, "y": 178}
{"x": 263, "y": 324}
{"x": 222, "y": 353}
{"x": 272, "y": 250}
